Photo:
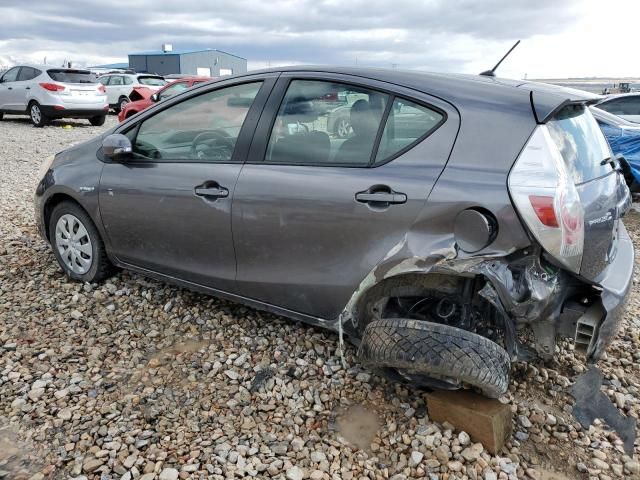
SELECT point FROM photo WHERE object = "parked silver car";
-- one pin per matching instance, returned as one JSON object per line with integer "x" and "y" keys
{"x": 120, "y": 85}
{"x": 465, "y": 222}
{"x": 45, "y": 92}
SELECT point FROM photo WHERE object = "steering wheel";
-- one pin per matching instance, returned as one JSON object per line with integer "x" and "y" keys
{"x": 213, "y": 145}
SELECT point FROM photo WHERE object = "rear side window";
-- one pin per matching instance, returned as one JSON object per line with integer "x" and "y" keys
{"x": 326, "y": 123}
{"x": 581, "y": 143}
{"x": 28, "y": 73}
{"x": 71, "y": 76}
{"x": 127, "y": 81}
{"x": 152, "y": 81}
{"x": 407, "y": 123}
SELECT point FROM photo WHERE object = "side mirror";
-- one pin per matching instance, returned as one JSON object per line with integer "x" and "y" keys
{"x": 155, "y": 97}
{"x": 116, "y": 146}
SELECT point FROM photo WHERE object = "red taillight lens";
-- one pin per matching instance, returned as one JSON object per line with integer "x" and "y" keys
{"x": 52, "y": 87}
{"x": 543, "y": 206}
{"x": 102, "y": 89}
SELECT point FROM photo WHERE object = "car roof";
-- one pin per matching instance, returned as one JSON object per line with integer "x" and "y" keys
{"x": 457, "y": 88}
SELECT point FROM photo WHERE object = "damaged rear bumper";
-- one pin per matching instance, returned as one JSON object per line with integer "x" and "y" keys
{"x": 616, "y": 283}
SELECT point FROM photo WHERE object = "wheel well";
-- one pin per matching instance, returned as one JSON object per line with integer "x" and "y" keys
{"x": 123, "y": 97}
{"x": 55, "y": 200}
{"x": 439, "y": 297}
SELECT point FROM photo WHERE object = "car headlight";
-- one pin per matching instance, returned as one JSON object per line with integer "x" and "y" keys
{"x": 45, "y": 166}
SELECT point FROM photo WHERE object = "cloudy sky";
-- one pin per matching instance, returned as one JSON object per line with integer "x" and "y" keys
{"x": 560, "y": 38}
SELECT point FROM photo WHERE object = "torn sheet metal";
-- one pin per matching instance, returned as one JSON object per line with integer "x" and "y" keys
{"x": 591, "y": 403}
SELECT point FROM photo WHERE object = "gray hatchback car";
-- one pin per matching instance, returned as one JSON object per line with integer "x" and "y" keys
{"x": 461, "y": 223}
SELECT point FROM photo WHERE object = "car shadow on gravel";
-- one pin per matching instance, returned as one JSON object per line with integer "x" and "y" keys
{"x": 52, "y": 124}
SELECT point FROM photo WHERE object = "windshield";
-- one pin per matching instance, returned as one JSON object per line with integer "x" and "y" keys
{"x": 72, "y": 76}
{"x": 581, "y": 143}
{"x": 152, "y": 81}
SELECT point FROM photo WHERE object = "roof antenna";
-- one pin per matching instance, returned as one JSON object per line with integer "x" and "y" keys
{"x": 492, "y": 72}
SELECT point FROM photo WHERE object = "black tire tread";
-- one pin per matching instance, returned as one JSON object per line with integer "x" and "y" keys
{"x": 434, "y": 349}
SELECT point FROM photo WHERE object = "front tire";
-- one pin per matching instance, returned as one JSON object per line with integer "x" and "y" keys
{"x": 98, "y": 121}
{"x": 38, "y": 118}
{"x": 451, "y": 356}
{"x": 77, "y": 245}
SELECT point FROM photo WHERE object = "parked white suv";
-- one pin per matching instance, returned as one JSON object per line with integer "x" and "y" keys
{"x": 120, "y": 85}
{"x": 45, "y": 92}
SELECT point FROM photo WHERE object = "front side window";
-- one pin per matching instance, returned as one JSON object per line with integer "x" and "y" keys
{"x": 407, "y": 122}
{"x": 203, "y": 128}
{"x": 11, "y": 75}
{"x": 321, "y": 122}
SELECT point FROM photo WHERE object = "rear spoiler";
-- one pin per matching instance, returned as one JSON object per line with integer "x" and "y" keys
{"x": 548, "y": 99}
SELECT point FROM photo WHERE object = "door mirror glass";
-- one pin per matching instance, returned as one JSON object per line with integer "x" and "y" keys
{"x": 116, "y": 146}
{"x": 154, "y": 97}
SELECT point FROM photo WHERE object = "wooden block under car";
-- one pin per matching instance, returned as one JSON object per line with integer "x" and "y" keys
{"x": 485, "y": 420}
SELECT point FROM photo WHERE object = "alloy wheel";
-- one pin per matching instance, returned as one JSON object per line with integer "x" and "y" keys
{"x": 344, "y": 128}
{"x": 36, "y": 114}
{"x": 74, "y": 244}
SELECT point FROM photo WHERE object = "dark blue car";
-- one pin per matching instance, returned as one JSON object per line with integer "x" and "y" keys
{"x": 624, "y": 138}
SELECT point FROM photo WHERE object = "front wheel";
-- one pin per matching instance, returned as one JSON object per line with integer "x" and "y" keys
{"x": 98, "y": 120}
{"x": 38, "y": 118}
{"x": 77, "y": 244}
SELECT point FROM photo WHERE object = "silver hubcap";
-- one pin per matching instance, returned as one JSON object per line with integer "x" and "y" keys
{"x": 343, "y": 128}
{"x": 123, "y": 104}
{"x": 35, "y": 113}
{"x": 73, "y": 244}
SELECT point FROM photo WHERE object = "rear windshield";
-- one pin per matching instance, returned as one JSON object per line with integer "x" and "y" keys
{"x": 72, "y": 76}
{"x": 152, "y": 81}
{"x": 581, "y": 143}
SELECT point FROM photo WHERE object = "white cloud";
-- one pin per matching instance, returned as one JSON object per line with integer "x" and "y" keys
{"x": 559, "y": 39}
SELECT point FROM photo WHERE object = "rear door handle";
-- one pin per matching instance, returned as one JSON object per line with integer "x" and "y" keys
{"x": 212, "y": 192}
{"x": 381, "y": 197}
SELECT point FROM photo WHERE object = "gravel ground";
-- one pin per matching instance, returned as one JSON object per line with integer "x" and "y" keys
{"x": 137, "y": 379}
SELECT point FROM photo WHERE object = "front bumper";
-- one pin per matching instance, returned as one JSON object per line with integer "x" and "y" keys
{"x": 616, "y": 282}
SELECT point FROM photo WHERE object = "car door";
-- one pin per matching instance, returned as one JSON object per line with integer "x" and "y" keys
{"x": 23, "y": 85}
{"x": 313, "y": 213}
{"x": 8, "y": 99}
{"x": 167, "y": 208}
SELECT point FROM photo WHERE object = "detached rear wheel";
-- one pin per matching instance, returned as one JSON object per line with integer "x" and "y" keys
{"x": 435, "y": 355}
{"x": 77, "y": 245}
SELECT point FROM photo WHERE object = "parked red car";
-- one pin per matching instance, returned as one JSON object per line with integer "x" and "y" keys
{"x": 142, "y": 97}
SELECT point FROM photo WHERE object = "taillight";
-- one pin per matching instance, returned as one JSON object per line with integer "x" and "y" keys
{"x": 102, "y": 89}
{"x": 546, "y": 198}
{"x": 52, "y": 87}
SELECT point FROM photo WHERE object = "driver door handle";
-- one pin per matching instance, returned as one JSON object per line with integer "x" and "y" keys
{"x": 212, "y": 192}
{"x": 381, "y": 197}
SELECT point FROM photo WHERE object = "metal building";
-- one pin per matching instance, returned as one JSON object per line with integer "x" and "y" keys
{"x": 209, "y": 62}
